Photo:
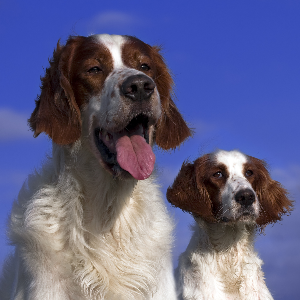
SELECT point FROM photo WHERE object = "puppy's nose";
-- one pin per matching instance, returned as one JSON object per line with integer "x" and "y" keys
{"x": 245, "y": 197}
{"x": 138, "y": 87}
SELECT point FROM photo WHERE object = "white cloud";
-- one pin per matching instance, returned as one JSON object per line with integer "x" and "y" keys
{"x": 111, "y": 20}
{"x": 13, "y": 125}
{"x": 113, "y": 17}
{"x": 289, "y": 177}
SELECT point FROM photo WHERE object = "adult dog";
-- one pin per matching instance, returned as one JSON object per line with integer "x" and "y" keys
{"x": 230, "y": 195}
{"x": 89, "y": 224}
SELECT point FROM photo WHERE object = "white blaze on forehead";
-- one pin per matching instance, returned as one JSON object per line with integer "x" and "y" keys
{"x": 233, "y": 160}
{"x": 114, "y": 44}
{"x": 236, "y": 181}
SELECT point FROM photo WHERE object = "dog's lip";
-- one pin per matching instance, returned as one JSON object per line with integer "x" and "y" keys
{"x": 139, "y": 125}
{"x": 109, "y": 138}
{"x": 249, "y": 211}
{"x": 246, "y": 214}
{"x": 117, "y": 123}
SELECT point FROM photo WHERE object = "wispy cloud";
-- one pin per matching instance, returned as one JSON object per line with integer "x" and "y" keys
{"x": 111, "y": 20}
{"x": 13, "y": 125}
{"x": 113, "y": 17}
{"x": 289, "y": 177}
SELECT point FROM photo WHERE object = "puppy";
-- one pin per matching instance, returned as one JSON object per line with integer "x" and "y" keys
{"x": 92, "y": 224}
{"x": 230, "y": 195}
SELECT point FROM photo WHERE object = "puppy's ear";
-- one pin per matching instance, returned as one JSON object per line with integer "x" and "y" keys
{"x": 171, "y": 129}
{"x": 189, "y": 193}
{"x": 273, "y": 198}
{"x": 56, "y": 112}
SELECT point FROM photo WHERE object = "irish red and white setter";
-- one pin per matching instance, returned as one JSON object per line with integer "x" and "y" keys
{"x": 231, "y": 196}
{"x": 92, "y": 224}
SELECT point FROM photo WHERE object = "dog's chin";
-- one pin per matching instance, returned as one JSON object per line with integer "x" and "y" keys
{"x": 247, "y": 216}
{"x": 105, "y": 148}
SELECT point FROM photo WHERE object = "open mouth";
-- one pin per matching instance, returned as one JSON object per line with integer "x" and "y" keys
{"x": 127, "y": 150}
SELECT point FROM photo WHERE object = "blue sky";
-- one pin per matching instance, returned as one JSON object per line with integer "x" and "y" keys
{"x": 236, "y": 66}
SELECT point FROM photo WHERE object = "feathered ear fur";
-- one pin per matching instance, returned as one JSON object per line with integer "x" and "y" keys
{"x": 56, "y": 112}
{"x": 171, "y": 129}
{"x": 188, "y": 191}
{"x": 273, "y": 198}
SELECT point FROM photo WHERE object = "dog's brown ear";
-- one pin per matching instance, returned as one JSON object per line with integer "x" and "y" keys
{"x": 273, "y": 198}
{"x": 184, "y": 191}
{"x": 189, "y": 193}
{"x": 171, "y": 129}
{"x": 56, "y": 112}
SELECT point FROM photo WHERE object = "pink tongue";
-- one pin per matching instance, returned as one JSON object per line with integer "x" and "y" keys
{"x": 135, "y": 156}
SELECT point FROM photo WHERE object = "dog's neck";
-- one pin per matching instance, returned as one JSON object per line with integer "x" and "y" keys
{"x": 224, "y": 256}
{"x": 222, "y": 237}
{"x": 104, "y": 197}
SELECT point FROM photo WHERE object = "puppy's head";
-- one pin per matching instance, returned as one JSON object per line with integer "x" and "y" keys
{"x": 115, "y": 90}
{"x": 229, "y": 187}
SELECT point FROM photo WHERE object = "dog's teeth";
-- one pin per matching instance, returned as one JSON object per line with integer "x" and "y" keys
{"x": 107, "y": 138}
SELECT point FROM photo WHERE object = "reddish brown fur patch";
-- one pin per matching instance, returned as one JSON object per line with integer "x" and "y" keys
{"x": 205, "y": 169}
{"x": 88, "y": 55}
{"x": 188, "y": 191}
{"x": 56, "y": 112}
{"x": 273, "y": 198}
{"x": 171, "y": 129}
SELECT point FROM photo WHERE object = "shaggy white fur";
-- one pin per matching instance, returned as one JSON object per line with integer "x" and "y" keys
{"x": 220, "y": 263}
{"x": 83, "y": 227}
{"x": 73, "y": 223}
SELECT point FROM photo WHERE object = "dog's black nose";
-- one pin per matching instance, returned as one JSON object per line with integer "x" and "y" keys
{"x": 245, "y": 197}
{"x": 138, "y": 87}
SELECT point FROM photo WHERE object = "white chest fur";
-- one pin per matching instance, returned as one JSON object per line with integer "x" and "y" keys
{"x": 220, "y": 264}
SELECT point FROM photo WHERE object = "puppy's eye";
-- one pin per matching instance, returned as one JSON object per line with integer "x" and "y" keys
{"x": 249, "y": 173}
{"x": 218, "y": 174}
{"x": 94, "y": 70}
{"x": 145, "y": 67}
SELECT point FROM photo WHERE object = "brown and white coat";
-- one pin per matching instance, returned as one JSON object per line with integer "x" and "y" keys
{"x": 86, "y": 226}
{"x": 231, "y": 196}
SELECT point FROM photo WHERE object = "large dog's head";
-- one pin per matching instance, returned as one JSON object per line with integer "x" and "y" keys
{"x": 229, "y": 186}
{"x": 120, "y": 89}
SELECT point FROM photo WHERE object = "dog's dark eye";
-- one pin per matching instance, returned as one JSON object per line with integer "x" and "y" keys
{"x": 249, "y": 173}
{"x": 94, "y": 70}
{"x": 145, "y": 67}
{"x": 218, "y": 174}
